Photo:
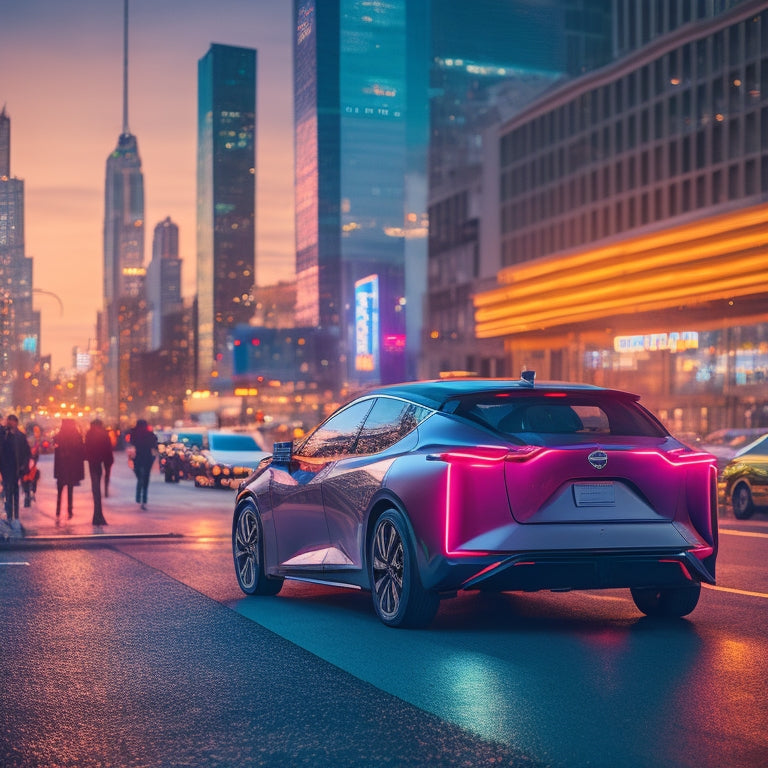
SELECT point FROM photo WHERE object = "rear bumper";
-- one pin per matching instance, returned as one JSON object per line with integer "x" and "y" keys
{"x": 531, "y": 571}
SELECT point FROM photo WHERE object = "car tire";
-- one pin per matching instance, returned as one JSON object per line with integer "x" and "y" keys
{"x": 667, "y": 602}
{"x": 248, "y": 553}
{"x": 741, "y": 500}
{"x": 399, "y": 597}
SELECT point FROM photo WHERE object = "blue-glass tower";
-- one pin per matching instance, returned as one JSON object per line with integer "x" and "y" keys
{"x": 226, "y": 203}
{"x": 351, "y": 67}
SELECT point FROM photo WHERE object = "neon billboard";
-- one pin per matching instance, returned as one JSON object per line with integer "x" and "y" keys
{"x": 367, "y": 324}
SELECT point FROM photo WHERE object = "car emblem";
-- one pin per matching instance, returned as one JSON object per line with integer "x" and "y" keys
{"x": 598, "y": 459}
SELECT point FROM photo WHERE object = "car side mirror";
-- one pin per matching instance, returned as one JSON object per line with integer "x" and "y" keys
{"x": 282, "y": 452}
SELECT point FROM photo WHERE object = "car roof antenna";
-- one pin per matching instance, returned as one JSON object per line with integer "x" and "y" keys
{"x": 528, "y": 376}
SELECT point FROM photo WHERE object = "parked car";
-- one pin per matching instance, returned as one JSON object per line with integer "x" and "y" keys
{"x": 178, "y": 451}
{"x": 419, "y": 490}
{"x": 229, "y": 458}
{"x": 726, "y": 443}
{"x": 744, "y": 481}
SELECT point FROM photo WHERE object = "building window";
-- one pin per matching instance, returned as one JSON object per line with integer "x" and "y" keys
{"x": 750, "y": 177}
{"x": 734, "y": 139}
{"x": 686, "y": 195}
{"x": 717, "y": 142}
{"x": 733, "y": 182}
{"x": 717, "y": 187}
{"x": 701, "y": 191}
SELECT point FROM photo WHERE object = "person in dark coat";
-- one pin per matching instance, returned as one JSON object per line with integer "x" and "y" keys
{"x": 144, "y": 443}
{"x": 99, "y": 454}
{"x": 14, "y": 463}
{"x": 68, "y": 462}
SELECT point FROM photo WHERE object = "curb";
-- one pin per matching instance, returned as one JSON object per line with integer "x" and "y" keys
{"x": 27, "y": 542}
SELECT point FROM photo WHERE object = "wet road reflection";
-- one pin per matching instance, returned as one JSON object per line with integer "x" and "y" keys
{"x": 555, "y": 676}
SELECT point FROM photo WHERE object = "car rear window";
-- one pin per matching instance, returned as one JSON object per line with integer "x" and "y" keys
{"x": 560, "y": 413}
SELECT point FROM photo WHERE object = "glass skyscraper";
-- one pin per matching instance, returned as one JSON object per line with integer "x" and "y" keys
{"x": 19, "y": 323}
{"x": 226, "y": 192}
{"x": 351, "y": 66}
{"x": 163, "y": 279}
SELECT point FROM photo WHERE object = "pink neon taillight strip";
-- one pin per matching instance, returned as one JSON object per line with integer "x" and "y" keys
{"x": 448, "y": 512}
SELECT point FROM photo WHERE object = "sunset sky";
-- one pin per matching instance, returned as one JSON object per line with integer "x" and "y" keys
{"x": 61, "y": 85}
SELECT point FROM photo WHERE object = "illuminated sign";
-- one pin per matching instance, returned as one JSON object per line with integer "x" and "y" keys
{"x": 394, "y": 342}
{"x": 656, "y": 342}
{"x": 367, "y": 324}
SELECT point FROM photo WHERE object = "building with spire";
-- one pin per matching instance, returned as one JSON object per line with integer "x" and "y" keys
{"x": 226, "y": 204}
{"x": 123, "y": 330}
{"x": 19, "y": 322}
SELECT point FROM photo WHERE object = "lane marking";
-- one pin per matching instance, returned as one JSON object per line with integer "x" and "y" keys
{"x": 735, "y": 591}
{"x": 753, "y": 534}
{"x": 19, "y": 563}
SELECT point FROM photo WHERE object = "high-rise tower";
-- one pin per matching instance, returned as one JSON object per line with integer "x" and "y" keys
{"x": 123, "y": 326}
{"x": 352, "y": 70}
{"x": 19, "y": 323}
{"x": 163, "y": 279}
{"x": 226, "y": 203}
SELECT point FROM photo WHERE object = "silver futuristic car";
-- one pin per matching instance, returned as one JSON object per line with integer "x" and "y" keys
{"x": 416, "y": 491}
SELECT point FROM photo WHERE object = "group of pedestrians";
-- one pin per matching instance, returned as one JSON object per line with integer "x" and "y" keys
{"x": 19, "y": 454}
{"x": 69, "y": 455}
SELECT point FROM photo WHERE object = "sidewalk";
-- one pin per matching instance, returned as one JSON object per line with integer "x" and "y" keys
{"x": 173, "y": 510}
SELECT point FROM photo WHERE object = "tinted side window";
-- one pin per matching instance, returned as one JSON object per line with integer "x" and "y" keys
{"x": 336, "y": 436}
{"x": 389, "y": 421}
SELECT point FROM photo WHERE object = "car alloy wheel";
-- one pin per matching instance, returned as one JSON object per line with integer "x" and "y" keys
{"x": 741, "y": 499}
{"x": 247, "y": 550}
{"x": 399, "y": 598}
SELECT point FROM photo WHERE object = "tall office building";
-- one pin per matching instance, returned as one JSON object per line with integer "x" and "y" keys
{"x": 353, "y": 66}
{"x": 633, "y": 220}
{"x": 124, "y": 323}
{"x": 19, "y": 322}
{"x": 489, "y": 59}
{"x": 226, "y": 199}
{"x": 163, "y": 280}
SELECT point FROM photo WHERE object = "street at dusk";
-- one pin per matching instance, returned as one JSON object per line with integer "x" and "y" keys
{"x": 429, "y": 340}
{"x": 142, "y": 651}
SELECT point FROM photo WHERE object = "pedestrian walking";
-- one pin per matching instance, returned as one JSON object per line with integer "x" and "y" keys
{"x": 99, "y": 455}
{"x": 112, "y": 434}
{"x": 144, "y": 444}
{"x": 32, "y": 475}
{"x": 14, "y": 463}
{"x": 68, "y": 463}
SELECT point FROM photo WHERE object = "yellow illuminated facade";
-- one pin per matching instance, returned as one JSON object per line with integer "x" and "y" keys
{"x": 720, "y": 258}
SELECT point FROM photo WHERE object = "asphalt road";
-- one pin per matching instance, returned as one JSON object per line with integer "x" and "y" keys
{"x": 145, "y": 653}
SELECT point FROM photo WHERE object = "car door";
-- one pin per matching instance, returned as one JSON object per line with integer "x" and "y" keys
{"x": 352, "y": 481}
{"x": 756, "y": 458}
{"x": 301, "y": 531}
